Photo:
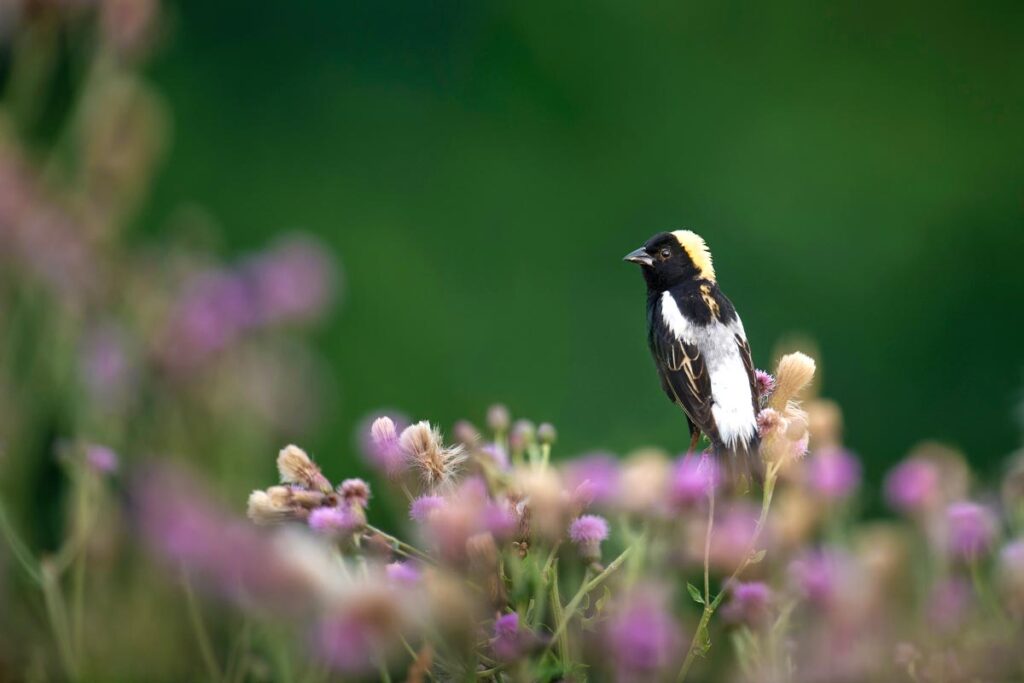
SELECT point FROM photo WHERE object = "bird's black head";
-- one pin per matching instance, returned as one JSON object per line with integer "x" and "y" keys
{"x": 669, "y": 258}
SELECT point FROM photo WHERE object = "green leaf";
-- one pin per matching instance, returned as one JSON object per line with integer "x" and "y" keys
{"x": 695, "y": 593}
{"x": 602, "y": 602}
{"x": 757, "y": 557}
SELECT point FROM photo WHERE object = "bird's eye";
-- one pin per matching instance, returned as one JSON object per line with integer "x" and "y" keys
{"x": 665, "y": 253}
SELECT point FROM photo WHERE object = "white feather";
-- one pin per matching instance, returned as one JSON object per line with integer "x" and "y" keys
{"x": 732, "y": 403}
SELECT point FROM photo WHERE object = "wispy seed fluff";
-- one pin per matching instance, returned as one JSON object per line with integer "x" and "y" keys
{"x": 422, "y": 445}
{"x": 783, "y": 424}
{"x": 295, "y": 467}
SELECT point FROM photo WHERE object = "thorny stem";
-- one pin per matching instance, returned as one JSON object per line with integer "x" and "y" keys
{"x": 696, "y": 646}
{"x": 570, "y": 609}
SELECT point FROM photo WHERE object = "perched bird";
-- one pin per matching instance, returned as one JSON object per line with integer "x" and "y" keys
{"x": 700, "y": 348}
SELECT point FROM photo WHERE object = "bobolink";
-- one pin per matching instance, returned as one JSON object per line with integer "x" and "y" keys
{"x": 700, "y": 348}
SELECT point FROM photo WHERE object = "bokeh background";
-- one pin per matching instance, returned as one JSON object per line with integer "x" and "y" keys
{"x": 481, "y": 168}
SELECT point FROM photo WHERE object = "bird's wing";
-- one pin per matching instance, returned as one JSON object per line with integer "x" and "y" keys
{"x": 684, "y": 376}
{"x": 748, "y": 365}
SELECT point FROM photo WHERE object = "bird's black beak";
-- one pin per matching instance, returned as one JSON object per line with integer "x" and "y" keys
{"x": 639, "y": 256}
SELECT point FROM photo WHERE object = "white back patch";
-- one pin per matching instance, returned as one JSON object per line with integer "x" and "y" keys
{"x": 733, "y": 403}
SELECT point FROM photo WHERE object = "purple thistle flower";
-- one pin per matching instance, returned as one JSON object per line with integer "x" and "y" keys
{"x": 833, "y": 474}
{"x": 101, "y": 458}
{"x": 333, "y": 521}
{"x": 379, "y": 443}
{"x": 818, "y": 575}
{"x": 748, "y": 603}
{"x": 643, "y": 638}
{"x": 971, "y": 529}
{"x": 913, "y": 486}
{"x": 587, "y": 532}
{"x": 600, "y": 471}
{"x": 500, "y": 520}
{"x": 692, "y": 479}
{"x": 765, "y": 384}
{"x": 423, "y": 507}
{"x": 497, "y": 454}
{"x": 292, "y": 281}
{"x": 511, "y": 641}
{"x": 403, "y": 573}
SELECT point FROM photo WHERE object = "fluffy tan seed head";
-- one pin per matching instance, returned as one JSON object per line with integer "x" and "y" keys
{"x": 295, "y": 467}
{"x": 422, "y": 445}
{"x": 795, "y": 371}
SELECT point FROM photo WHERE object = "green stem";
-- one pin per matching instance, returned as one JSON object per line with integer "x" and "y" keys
{"x": 18, "y": 548}
{"x": 58, "y": 614}
{"x": 700, "y": 643}
{"x": 556, "y": 609}
{"x": 570, "y": 609}
{"x": 202, "y": 637}
{"x": 402, "y": 545}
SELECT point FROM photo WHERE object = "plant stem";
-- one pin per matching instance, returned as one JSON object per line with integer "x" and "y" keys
{"x": 203, "y": 638}
{"x": 570, "y": 609}
{"x": 709, "y": 608}
{"x": 57, "y": 611}
{"x": 18, "y": 548}
{"x": 556, "y": 609}
{"x": 402, "y": 545}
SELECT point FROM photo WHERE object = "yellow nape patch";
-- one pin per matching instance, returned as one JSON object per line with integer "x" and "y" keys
{"x": 698, "y": 250}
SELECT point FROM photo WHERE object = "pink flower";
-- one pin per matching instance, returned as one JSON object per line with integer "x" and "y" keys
{"x": 403, "y": 573}
{"x": 587, "y": 532}
{"x": 423, "y": 507}
{"x": 913, "y": 486}
{"x": 379, "y": 442}
{"x": 748, "y": 603}
{"x": 101, "y": 458}
{"x": 596, "y": 476}
{"x": 693, "y": 477}
{"x": 765, "y": 384}
{"x": 511, "y": 642}
{"x": 333, "y": 521}
{"x": 971, "y": 529}
{"x": 643, "y": 638}
{"x": 833, "y": 474}
{"x": 355, "y": 492}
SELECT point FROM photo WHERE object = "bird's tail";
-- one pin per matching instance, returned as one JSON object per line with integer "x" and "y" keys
{"x": 742, "y": 463}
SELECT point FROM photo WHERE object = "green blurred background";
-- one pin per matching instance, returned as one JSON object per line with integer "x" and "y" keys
{"x": 481, "y": 168}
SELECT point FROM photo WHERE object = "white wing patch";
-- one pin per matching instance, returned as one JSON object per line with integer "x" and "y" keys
{"x": 733, "y": 404}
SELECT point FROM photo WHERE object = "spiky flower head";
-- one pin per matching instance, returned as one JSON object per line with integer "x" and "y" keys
{"x": 765, "y": 384}
{"x": 587, "y": 532}
{"x": 355, "y": 492}
{"x": 334, "y": 521}
{"x": 971, "y": 529}
{"x": 423, "y": 507}
{"x": 748, "y": 604}
{"x": 295, "y": 467}
{"x": 425, "y": 451}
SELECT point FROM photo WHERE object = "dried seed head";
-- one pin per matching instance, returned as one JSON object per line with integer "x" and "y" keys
{"x": 795, "y": 371}
{"x": 426, "y": 452}
{"x": 295, "y": 467}
{"x": 273, "y": 506}
{"x": 355, "y": 492}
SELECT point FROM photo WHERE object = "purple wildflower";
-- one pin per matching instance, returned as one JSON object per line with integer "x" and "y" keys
{"x": 509, "y": 642}
{"x": 971, "y": 529}
{"x": 833, "y": 474}
{"x": 348, "y": 643}
{"x": 293, "y": 280}
{"x": 101, "y": 458}
{"x": 403, "y": 573}
{"x": 913, "y": 486}
{"x": 500, "y": 520}
{"x": 600, "y": 472}
{"x": 587, "y": 532}
{"x": 379, "y": 442}
{"x": 421, "y": 509}
{"x": 643, "y": 638}
{"x": 765, "y": 384}
{"x": 818, "y": 575}
{"x": 748, "y": 603}
{"x": 692, "y": 479}
{"x": 333, "y": 521}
